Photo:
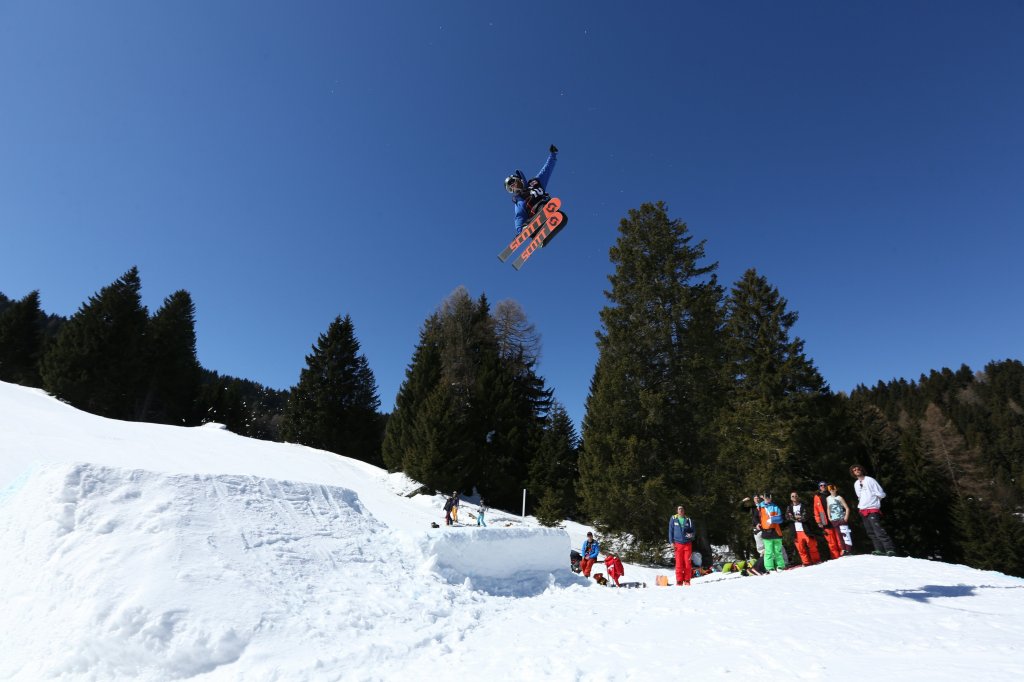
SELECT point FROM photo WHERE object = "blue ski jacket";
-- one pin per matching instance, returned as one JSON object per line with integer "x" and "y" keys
{"x": 522, "y": 214}
{"x": 680, "y": 529}
{"x": 590, "y": 549}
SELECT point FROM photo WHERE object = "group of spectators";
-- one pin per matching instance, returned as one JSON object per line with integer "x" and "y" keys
{"x": 821, "y": 525}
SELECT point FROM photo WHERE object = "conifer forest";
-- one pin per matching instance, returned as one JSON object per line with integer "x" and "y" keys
{"x": 701, "y": 395}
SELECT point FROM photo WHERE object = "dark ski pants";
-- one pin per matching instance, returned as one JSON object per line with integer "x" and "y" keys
{"x": 879, "y": 538}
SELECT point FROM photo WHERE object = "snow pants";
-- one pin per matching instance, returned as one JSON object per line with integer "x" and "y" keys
{"x": 807, "y": 546}
{"x": 480, "y": 519}
{"x": 684, "y": 569}
{"x": 585, "y": 566}
{"x": 842, "y": 529}
{"x": 835, "y": 543}
{"x": 773, "y": 554}
{"x": 879, "y": 538}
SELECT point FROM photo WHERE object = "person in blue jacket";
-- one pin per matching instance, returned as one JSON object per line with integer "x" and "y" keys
{"x": 527, "y": 195}
{"x": 680, "y": 536}
{"x": 589, "y": 552}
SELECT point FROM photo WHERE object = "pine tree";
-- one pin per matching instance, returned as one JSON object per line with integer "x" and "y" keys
{"x": 421, "y": 378}
{"x": 555, "y": 468}
{"x": 97, "y": 362}
{"x": 21, "y": 340}
{"x": 767, "y": 429}
{"x": 174, "y": 371}
{"x": 335, "y": 404}
{"x": 470, "y": 411}
{"x": 654, "y": 390}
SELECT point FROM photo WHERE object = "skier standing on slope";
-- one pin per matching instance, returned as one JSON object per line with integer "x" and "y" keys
{"x": 529, "y": 195}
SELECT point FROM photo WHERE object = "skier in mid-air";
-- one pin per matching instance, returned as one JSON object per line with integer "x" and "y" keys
{"x": 529, "y": 195}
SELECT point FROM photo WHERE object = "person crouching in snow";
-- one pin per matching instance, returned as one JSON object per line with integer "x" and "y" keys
{"x": 614, "y": 568}
{"x": 680, "y": 536}
{"x": 590, "y": 551}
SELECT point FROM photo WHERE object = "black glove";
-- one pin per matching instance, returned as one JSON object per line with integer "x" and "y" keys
{"x": 553, "y": 149}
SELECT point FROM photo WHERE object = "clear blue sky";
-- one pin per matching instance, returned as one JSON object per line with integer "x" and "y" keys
{"x": 290, "y": 162}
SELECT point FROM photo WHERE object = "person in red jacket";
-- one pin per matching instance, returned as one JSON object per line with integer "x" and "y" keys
{"x": 614, "y": 568}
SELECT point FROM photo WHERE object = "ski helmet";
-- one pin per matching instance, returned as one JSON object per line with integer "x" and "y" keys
{"x": 516, "y": 178}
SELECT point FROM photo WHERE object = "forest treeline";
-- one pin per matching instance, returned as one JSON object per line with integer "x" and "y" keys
{"x": 701, "y": 395}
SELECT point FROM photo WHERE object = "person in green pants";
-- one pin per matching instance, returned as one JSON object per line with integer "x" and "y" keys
{"x": 771, "y": 533}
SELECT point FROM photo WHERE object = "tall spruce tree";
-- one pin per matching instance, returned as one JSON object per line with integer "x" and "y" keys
{"x": 470, "y": 411}
{"x": 335, "y": 404}
{"x": 97, "y": 362}
{"x": 653, "y": 394}
{"x": 21, "y": 340}
{"x": 173, "y": 368}
{"x": 774, "y": 402}
{"x": 555, "y": 468}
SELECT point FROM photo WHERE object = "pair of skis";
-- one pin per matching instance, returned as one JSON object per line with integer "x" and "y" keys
{"x": 541, "y": 227}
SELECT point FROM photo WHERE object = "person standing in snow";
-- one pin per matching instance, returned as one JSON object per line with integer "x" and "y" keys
{"x": 820, "y": 499}
{"x": 455, "y": 507}
{"x": 527, "y": 195}
{"x": 771, "y": 533}
{"x": 839, "y": 517}
{"x": 680, "y": 536}
{"x": 869, "y": 503}
{"x": 590, "y": 551}
{"x": 449, "y": 504}
{"x": 806, "y": 543}
{"x": 480, "y": 514}
{"x": 615, "y": 569}
{"x": 750, "y": 506}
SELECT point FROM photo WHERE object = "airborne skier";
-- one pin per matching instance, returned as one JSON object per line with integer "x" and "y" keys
{"x": 529, "y": 195}
{"x": 538, "y": 217}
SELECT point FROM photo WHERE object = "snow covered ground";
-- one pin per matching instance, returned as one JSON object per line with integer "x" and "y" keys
{"x": 136, "y": 551}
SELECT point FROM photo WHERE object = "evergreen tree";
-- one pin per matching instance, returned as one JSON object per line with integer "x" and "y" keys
{"x": 244, "y": 407}
{"x": 421, "y": 378}
{"x": 97, "y": 362}
{"x": 174, "y": 372}
{"x": 555, "y": 468}
{"x": 21, "y": 340}
{"x": 221, "y": 401}
{"x": 471, "y": 409}
{"x": 653, "y": 395}
{"x": 767, "y": 428}
{"x": 335, "y": 404}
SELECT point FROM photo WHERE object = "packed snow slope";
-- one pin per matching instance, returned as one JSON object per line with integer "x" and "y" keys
{"x": 136, "y": 551}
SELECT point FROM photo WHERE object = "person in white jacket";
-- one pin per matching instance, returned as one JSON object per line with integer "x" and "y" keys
{"x": 869, "y": 504}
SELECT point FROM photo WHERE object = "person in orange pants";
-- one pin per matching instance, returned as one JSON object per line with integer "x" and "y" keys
{"x": 800, "y": 515}
{"x": 835, "y": 543}
{"x": 590, "y": 551}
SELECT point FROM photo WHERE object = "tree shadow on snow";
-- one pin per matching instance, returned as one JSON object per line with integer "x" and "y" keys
{"x": 928, "y": 592}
